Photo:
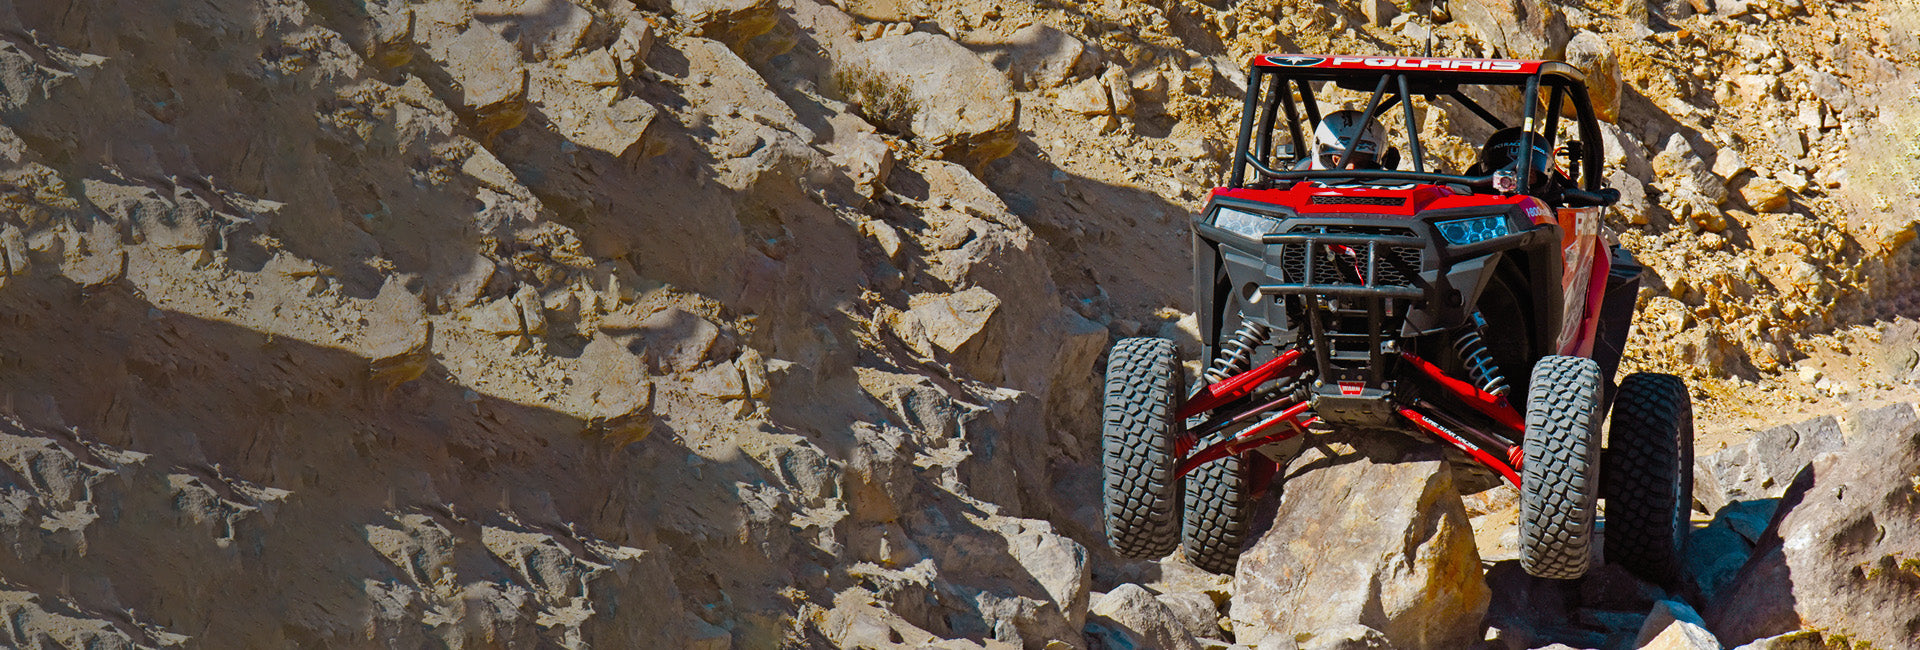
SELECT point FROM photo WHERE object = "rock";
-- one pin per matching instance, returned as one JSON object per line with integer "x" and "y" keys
{"x": 722, "y": 381}
{"x": 1344, "y": 637}
{"x": 678, "y": 341}
{"x": 1625, "y": 153}
{"x": 1392, "y": 552}
{"x": 1521, "y": 29}
{"x": 936, "y": 90}
{"x": 1682, "y": 636}
{"x": 1119, "y": 90}
{"x": 733, "y": 22}
{"x": 633, "y": 44}
{"x": 1058, "y": 563}
{"x": 1797, "y": 640}
{"x": 947, "y": 322}
{"x": 1756, "y": 88}
{"x": 398, "y": 336}
{"x": 546, "y": 31}
{"x": 1037, "y": 56}
{"x": 861, "y": 152}
{"x": 1591, "y": 53}
{"x": 1667, "y": 615}
{"x": 986, "y": 588}
{"x": 1867, "y": 422}
{"x": 1729, "y": 164}
{"x": 1766, "y": 195}
{"x": 1764, "y": 466}
{"x": 1132, "y": 607}
{"x": 46, "y": 621}
{"x": 1789, "y": 140}
{"x": 1171, "y": 576}
{"x": 489, "y": 79}
{"x": 1089, "y": 97}
{"x": 1633, "y": 204}
{"x": 885, "y": 236}
{"x": 1682, "y": 173}
{"x": 1184, "y": 332}
{"x": 1841, "y": 554}
{"x": 1195, "y": 611}
{"x": 586, "y": 119}
{"x": 1379, "y": 12}
{"x": 1150, "y": 87}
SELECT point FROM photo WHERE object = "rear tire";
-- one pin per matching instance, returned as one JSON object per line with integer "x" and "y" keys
{"x": 1559, "y": 478}
{"x": 1139, "y": 457}
{"x": 1217, "y": 509}
{"x": 1648, "y": 476}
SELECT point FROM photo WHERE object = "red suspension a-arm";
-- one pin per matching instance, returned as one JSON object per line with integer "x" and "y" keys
{"x": 1492, "y": 406}
{"x": 1259, "y": 434}
{"x": 1237, "y": 386}
{"x": 1492, "y": 462}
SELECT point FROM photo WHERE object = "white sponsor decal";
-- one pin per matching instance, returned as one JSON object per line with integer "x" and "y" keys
{"x": 1428, "y": 64}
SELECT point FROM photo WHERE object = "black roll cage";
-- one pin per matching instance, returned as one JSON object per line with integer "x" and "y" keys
{"x": 1563, "y": 82}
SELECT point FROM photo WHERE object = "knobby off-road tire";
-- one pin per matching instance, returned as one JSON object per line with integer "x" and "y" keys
{"x": 1559, "y": 481}
{"x": 1138, "y": 454}
{"x": 1217, "y": 512}
{"x": 1647, "y": 476}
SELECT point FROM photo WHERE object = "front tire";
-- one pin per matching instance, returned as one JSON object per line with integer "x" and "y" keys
{"x": 1558, "y": 480}
{"x": 1648, "y": 476}
{"x": 1217, "y": 511}
{"x": 1139, "y": 453}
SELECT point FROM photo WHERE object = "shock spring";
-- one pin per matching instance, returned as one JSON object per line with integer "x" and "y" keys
{"x": 1468, "y": 341}
{"x": 1236, "y": 354}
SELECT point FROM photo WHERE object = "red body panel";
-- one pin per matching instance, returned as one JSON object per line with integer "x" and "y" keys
{"x": 1299, "y": 198}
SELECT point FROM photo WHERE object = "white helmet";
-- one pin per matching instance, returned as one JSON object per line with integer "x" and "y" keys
{"x": 1342, "y": 140}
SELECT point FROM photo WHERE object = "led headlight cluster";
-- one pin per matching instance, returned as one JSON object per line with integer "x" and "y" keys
{"x": 1243, "y": 223}
{"x": 1460, "y": 232}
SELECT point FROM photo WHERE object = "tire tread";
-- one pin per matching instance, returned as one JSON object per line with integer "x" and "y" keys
{"x": 1138, "y": 457}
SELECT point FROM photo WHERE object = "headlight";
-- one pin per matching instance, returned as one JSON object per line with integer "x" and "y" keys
{"x": 1243, "y": 223}
{"x": 1472, "y": 230}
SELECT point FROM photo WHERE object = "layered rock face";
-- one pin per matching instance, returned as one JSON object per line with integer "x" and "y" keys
{"x": 743, "y": 323}
{"x": 513, "y": 324}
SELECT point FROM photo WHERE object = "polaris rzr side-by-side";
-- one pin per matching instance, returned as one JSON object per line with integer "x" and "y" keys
{"x": 1341, "y": 286}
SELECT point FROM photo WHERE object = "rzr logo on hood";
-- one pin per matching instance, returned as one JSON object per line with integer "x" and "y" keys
{"x": 1296, "y": 61}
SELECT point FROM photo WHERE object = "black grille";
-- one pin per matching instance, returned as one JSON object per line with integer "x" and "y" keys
{"x": 1347, "y": 264}
{"x": 1338, "y": 199}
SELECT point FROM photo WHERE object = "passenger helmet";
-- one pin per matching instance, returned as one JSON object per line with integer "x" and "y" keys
{"x": 1341, "y": 139}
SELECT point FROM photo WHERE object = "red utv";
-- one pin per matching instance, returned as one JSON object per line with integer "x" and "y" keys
{"x": 1337, "y": 288}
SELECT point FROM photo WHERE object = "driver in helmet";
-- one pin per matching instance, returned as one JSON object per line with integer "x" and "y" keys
{"x": 1504, "y": 150}
{"x": 1342, "y": 141}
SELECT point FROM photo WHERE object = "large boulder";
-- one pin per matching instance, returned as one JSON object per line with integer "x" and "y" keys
{"x": 1140, "y": 616}
{"x": 1520, "y": 29}
{"x": 1378, "y": 539}
{"x": 1595, "y": 57}
{"x": 1672, "y": 625}
{"x": 945, "y": 322}
{"x": 1764, "y": 466}
{"x": 1687, "y": 177}
{"x": 1037, "y": 56}
{"x": 489, "y": 82}
{"x": 933, "y": 89}
{"x": 1843, "y": 553}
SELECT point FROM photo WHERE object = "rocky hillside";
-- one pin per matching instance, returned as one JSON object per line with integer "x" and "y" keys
{"x": 777, "y": 323}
